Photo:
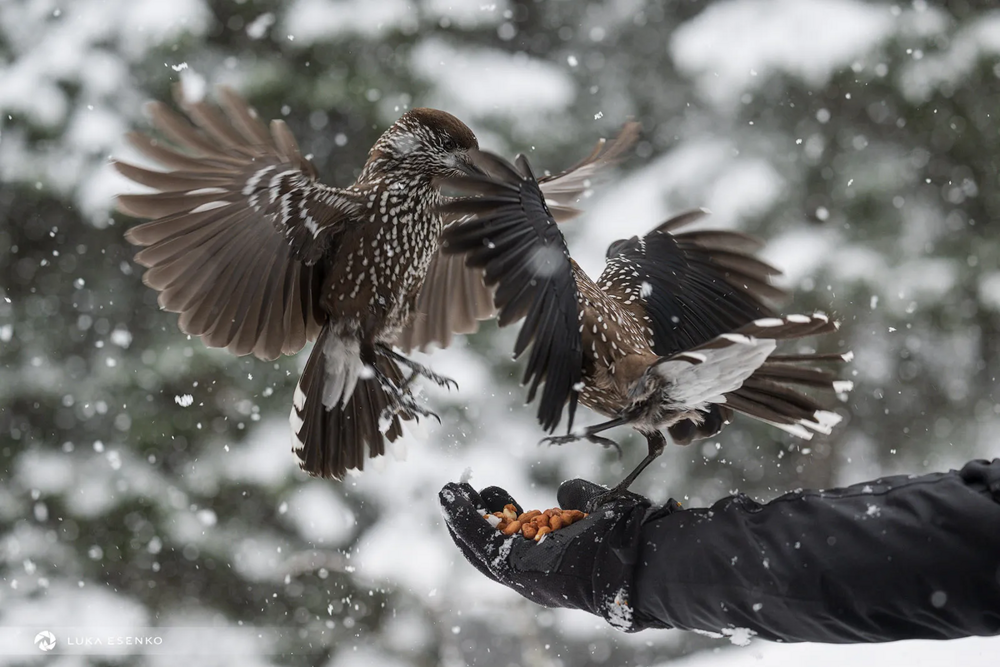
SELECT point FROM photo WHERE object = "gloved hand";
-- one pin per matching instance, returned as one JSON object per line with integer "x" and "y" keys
{"x": 588, "y": 565}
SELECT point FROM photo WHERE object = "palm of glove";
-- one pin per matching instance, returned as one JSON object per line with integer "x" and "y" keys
{"x": 587, "y": 565}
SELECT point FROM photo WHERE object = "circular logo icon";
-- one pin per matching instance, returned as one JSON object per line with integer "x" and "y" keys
{"x": 45, "y": 641}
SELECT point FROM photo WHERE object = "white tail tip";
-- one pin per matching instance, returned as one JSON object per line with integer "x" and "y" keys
{"x": 797, "y": 430}
{"x": 739, "y": 339}
{"x": 826, "y": 420}
{"x": 295, "y": 422}
{"x": 298, "y": 398}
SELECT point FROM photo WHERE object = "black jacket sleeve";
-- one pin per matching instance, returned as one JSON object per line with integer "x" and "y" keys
{"x": 906, "y": 557}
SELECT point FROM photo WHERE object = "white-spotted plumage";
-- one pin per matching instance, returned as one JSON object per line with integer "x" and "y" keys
{"x": 260, "y": 257}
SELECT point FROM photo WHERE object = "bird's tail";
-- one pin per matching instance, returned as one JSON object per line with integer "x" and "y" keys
{"x": 793, "y": 391}
{"x": 789, "y": 391}
{"x": 339, "y": 407}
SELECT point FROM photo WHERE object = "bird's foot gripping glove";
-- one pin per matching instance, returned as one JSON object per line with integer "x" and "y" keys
{"x": 587, "y": 565}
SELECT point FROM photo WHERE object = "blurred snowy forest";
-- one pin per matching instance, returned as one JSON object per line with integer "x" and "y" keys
{"x": 148, "y": 481}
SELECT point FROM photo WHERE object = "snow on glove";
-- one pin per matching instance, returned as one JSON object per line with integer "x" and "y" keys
{"x": 588, "y": 565}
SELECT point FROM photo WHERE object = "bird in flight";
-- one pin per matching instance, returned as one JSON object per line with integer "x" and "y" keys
{"x": 676, "y": 334}
{"x": 260, "y": 257}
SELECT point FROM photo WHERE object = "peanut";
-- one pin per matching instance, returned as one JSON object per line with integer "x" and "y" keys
{"x": 528, "y": 516}
{"x": 566, "y": 518}
{"x": 533, "y": 524}
{"x": 512, "y": 527}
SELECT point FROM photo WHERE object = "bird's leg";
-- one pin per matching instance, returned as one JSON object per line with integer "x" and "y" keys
{"x": 656, "y": 442}
{"x": 416, "y": 368}
{"x": 590, "y": 433}
{"x": 401, "y": 401}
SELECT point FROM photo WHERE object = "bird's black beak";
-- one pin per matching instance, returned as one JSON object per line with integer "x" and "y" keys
{"x": 466, "y": 165}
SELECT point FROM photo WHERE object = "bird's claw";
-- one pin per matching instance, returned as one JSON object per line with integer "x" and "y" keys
{"x": 405, "y": 404}
{"x": 559, "y": 440}
{"x": 401, "y": 400}
{"x": 418, "y": 369}
{"x": 439, "y": 380}
{"x": 410, "y": 409}
{"x": 594, "y": 438}
{"x": 607, "y": 443}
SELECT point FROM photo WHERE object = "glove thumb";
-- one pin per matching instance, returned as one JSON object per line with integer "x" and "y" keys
{"x": 576, "y": 494}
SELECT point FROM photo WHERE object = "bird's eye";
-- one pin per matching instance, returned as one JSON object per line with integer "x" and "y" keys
{"x": 449, "y": 144}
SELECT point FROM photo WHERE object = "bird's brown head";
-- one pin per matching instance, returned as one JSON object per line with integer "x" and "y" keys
{"x": 431, "y": 142}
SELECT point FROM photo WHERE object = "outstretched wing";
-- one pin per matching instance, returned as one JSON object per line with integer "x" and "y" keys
{"x": 563, "y": 191}
{"x": 692, "y": 286}
{"x": 510, "y": 234}
{"x": 239, "y": 223}
{"x": 454, "y": 298}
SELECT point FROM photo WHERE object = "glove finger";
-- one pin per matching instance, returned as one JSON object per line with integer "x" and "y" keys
{"x": 457, "y": 500}
{"x": 575, "y": 494}
{"x": 465, "y": 490}
{"x": 496, "y": 498}
{"x": 473, "y": 557}
{"x": 476, "y": 533}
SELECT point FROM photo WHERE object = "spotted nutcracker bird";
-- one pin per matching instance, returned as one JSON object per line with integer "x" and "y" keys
{"x": 259, "y": 257}
{"x": 676, "y": 334}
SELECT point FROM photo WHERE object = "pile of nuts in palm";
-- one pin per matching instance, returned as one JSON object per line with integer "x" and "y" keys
{"x": 534, "y": 524}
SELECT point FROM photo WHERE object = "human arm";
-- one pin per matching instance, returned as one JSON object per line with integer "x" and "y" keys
{"x": 904, "y": 557}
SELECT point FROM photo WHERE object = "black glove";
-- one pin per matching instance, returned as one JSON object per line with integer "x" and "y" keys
{"x": 588, "y": 565}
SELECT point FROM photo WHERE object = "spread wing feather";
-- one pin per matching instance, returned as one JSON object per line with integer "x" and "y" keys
{"x": 690, "y": 287}
{"x": 563, "y": 191}
{"x": 454, "y": 298}
{"x": 238, "y": 226}
{"x": 508, "y": 232}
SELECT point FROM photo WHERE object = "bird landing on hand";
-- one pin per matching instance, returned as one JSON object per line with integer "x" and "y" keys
{"x": 677, "y": 333}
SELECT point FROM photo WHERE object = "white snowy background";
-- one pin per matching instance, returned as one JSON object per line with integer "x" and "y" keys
{"x": 812, "y": 123}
